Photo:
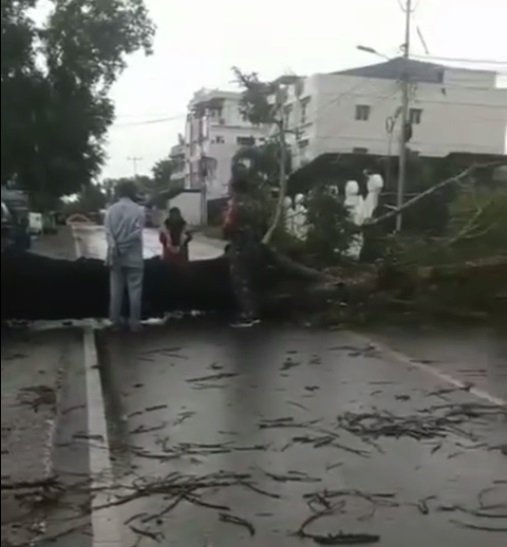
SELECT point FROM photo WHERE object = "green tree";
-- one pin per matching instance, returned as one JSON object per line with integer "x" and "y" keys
{"x": 262, "y": 104}
{"x": 262, "y": 162}
{"x": 143, "y": 183}
{"x": 330, "y": 229}
{"x": 255, "y": 104}
{"x": 161, "y": 175}
{"x": 91, "y": 199}
{"x": 56, "y": 77}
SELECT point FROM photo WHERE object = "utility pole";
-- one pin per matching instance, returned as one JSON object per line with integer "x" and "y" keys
{"x": 280, "y": 123}
{"x": 402, "y": 169}
{"x": 134, "y": 160}
{"x": 203, "y": 174}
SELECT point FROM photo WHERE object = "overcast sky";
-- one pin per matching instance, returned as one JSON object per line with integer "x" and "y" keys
{"x": 198, "y": 41}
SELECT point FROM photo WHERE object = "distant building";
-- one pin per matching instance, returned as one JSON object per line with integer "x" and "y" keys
{"x": 215, "y": 131}
{"x": 357, "y": 111}
{"x": 179, "y": 165}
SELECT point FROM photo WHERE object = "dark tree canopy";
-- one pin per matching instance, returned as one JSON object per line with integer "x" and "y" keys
{"x": 255, "y": 101}
{"x": 56, "y": 76}
{"x": 161, "y": 172}
{"x": 91, "y": 199}
{"x": 263, "y": 162}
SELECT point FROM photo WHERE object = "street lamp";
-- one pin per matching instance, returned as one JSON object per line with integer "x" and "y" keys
{"x": 368, "y": 49}
{"x": 404, "y": 116}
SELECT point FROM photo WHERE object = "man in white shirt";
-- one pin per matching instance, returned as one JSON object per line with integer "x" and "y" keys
{"x": 124, "y": 223}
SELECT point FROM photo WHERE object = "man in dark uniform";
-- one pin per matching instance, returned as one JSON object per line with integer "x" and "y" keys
{"x": 243, "y": 228}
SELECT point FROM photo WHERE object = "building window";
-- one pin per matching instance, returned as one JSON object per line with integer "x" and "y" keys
{"x": 215, "y": 113}
{"x": 415, "y": 116}
{"x": 304, "y": 109}
{"x": 245, "y": 141}
{"x": 286, "y": 115}
{"x": 219, "y": 139}
{"x": 363, "y": 112}
{"x": 359, "y": 150}
{"x": 194, "y": 176}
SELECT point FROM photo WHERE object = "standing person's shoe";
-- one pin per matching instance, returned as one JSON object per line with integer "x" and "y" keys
{"x": 119, "y": 326}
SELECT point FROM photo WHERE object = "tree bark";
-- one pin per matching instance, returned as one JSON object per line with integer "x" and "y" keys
{"x": 283, "y": 186}
{"x": 36, "y": 287}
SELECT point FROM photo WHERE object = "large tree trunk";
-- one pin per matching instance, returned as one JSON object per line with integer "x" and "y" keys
{"x": 36, "y": 287}
{"x": 40, "y": 288}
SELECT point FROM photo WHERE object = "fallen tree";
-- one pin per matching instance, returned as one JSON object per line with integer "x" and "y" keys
{"x": 36, "y": 287}
{"x": 40, "y": 288}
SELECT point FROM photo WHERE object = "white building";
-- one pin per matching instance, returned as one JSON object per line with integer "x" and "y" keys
{"x": 357, "y": 111}
{"x": 215, "y": 131}
{"x": 179, "y": 169}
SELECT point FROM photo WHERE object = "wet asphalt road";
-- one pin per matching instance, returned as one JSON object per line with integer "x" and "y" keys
{"x": 238, "y": 437}
{"x": 92, "y": 243}
{"x": 204, "y": 403}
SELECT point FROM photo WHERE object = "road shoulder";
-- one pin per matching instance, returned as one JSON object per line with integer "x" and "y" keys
{"x": 33, "y": 365}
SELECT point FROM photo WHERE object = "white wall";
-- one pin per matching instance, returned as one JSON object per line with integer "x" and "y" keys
{"x": 460, "y": 115}
{"x": 231, "y": 113}
{"x": 190, "y": 206}
{"x": 218, "y": 141}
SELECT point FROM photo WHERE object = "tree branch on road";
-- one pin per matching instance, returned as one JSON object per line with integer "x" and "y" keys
{"x": 451, "y": 180}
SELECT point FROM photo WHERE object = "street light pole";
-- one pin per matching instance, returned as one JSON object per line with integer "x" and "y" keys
{"x": 134, "y": 160}
{"x": 402, "y": 169}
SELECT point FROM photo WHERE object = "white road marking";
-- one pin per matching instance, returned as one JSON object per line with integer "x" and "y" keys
{"x": 400, "y": 357}
{"x": 104, "y": 517}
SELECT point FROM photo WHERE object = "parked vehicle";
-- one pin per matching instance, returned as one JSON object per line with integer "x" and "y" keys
{"x": 15, "y": 230}
{"x": 35, "y": 223}
{"x": 49, "y": 223}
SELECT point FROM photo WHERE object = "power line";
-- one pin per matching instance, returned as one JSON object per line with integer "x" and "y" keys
{"x": 460, "y": 103}
{"x": 139, "y": 115}
{"x": 352, "y": 92}
{"x": 344, "y": 127}
{"x": 404, "y": 8}
{"x": 463, "y": 59}
{"x": 462, "y": 85}
{"x": 151, "y": 122}
{"x": 405, "y": 100}
{"x": 423, "y": 41}
{"x": 134, "y": 160}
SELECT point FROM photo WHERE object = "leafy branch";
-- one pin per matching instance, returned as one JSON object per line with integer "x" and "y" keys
{"x": 261, "y": 104}
{"x": 439, "y": 186}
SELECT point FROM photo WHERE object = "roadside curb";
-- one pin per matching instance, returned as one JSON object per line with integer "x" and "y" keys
{"x": 104, "y": 517}
{"x": 406, "y": 360}
{"x": 213, "y": 242}
{"x": 62, "y": 375}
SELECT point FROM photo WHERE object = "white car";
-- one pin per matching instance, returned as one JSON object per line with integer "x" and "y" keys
{"x": 35, "y": 223}
{"x": 6, "y": 214}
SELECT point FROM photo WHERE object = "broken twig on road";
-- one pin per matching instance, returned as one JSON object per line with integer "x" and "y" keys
{"x": 232, "y": 519}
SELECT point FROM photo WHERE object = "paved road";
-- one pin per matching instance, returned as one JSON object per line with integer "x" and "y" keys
{"x": 93, "y": 244}
{"x": 226, "y": 438}
{"x": 272, "y": 408}
{"x": 476, "y": 356}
